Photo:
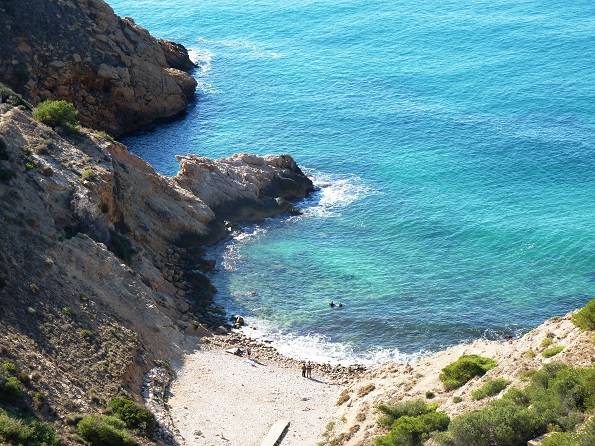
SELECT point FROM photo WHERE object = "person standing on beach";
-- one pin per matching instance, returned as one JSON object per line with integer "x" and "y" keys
{"x": 309, "y": 370}
{"x": 303, "y": 369}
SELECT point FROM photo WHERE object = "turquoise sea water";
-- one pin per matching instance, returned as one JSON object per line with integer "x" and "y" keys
{"x": 454, "y": 143}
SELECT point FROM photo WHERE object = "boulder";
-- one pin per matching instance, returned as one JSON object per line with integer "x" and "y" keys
{"x": 244, "y": 187}
{"x": 176, "y": 55}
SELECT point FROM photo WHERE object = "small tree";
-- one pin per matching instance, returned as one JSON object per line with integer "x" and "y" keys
{"x": 56, "y": 113}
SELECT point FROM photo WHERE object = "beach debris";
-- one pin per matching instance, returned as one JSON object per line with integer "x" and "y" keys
{"x": 276, "y": 433}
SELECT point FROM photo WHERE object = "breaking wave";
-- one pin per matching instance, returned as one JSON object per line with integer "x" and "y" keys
{"x": 333, "y": 194}
{"x": 318, "y": 348}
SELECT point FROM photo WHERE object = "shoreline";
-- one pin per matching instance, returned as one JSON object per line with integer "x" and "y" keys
{"x": 214, "y": 393}
{"x": 260, "y": 349}
{"x": 219, "y": 398}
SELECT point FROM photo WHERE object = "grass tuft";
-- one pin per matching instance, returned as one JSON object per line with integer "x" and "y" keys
{"x": 552, "y": 351}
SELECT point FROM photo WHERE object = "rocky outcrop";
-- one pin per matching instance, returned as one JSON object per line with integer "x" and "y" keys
{"x": 101, "y": 273}
{"x": 119, "y": 77}
{"x": 244, "y": 186}
{"x": 176, "y": 55}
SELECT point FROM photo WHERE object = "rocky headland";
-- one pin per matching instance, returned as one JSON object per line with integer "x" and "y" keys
{"x": 119, "y": 77}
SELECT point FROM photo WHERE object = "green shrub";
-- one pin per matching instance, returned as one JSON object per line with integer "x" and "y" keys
{"x": 546, "y": 342}
{"x": 585, "y": 317}
{"x": 67, "y": 311}
{"x": 9, "y": 367}
{"x": 5, "y": 93}
{"x": 556, "y": 399}
{"x": 457, "y": 399}
{"x": 503, "y": 423}
{"x": 102, "y": 430}
{"x": 24, "y": 432}
{"x": 464, "y": 369}
{"x": 584, "y": 436}
{"x": 56, "y": 113}
{"x": 552, "y": 351}
{"x": 412, "y": 423}
{"x": 132, "y": 414}
{"x": 430, "y": 395}
{"x": 87, "y": 173}
{"x": 38, "y": 399}
{"x": 561, "y": 439}
{"x": 104, "y": 134}
{"x": 30, "y": 164}
{"x": 490, "y": 388}
{"x": 10, "y": 388}
{"x": 411, "y": 408}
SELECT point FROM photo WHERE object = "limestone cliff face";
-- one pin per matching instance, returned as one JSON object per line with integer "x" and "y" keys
{"x": 119, "y": 77}
{"x": 101, "y": 271}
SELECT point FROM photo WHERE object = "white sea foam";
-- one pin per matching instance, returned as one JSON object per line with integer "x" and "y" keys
{"x": 334, "y": 194}
{"x": 232, "y": 252}
{"x": 318, "y": 348}
{"x": 203, "y": 58}
{"x": 245, "y": 46}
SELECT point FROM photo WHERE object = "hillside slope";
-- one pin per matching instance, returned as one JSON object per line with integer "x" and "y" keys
{"x": 356, "y": 420}
{"x": 101, "y": 268}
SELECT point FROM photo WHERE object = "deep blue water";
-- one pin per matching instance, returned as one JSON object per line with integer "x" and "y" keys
{"x": 454, "y": 143}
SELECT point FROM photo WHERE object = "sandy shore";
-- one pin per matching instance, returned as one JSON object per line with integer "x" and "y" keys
{"x": 222, "y": 399}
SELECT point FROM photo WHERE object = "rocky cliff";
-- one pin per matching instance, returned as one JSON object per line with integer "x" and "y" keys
{"x": 101, "y": 268}
{"x": 119, "y": 77}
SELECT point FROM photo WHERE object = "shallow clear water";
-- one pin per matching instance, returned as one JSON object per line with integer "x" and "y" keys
{"x": 454, "y": 143}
